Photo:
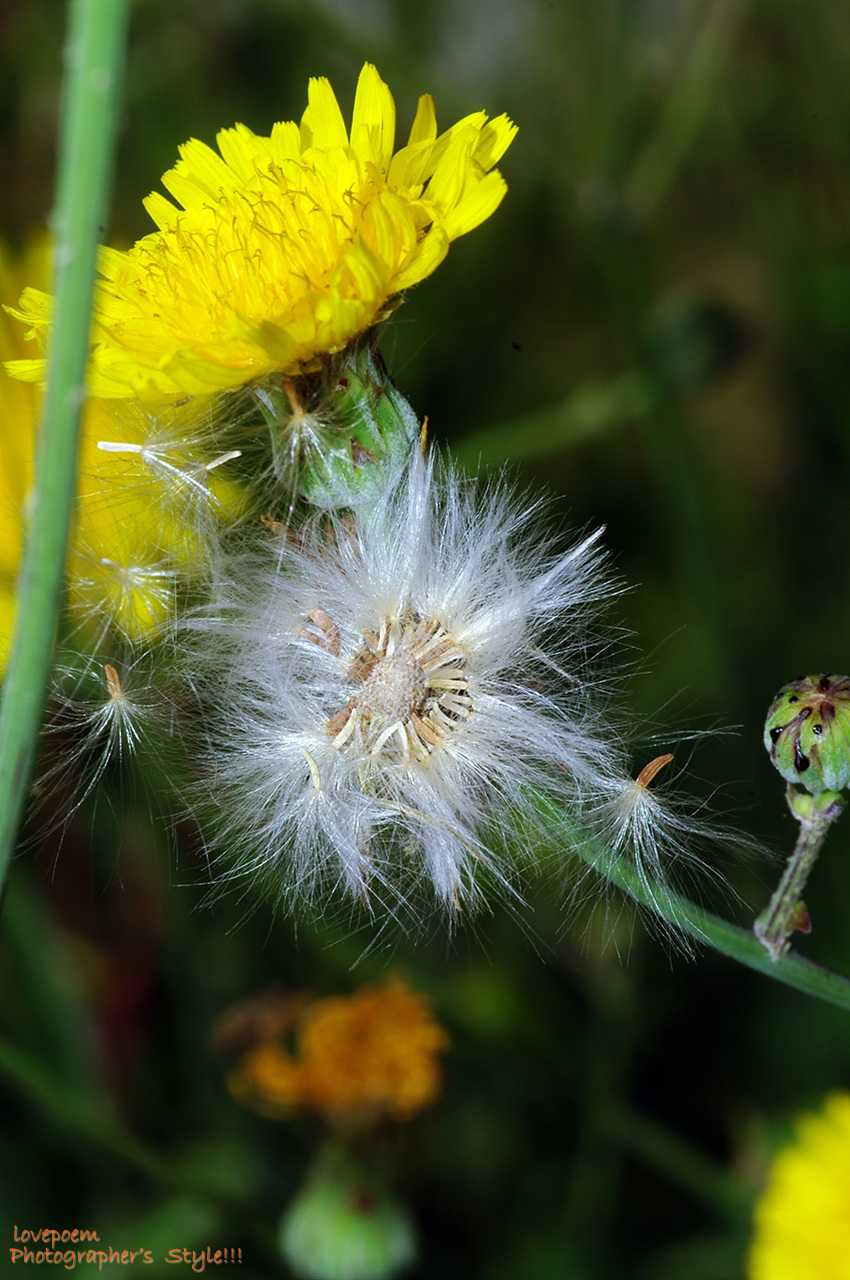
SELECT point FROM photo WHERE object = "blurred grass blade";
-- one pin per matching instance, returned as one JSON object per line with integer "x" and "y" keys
{"x": 692, "y": 100}
{"x": 94, "y": 60}
{"x": 594, "y": 409}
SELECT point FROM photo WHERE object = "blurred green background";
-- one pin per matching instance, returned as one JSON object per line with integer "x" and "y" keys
{"x": 655, "y": 326}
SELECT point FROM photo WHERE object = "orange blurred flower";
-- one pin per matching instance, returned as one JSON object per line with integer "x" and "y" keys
{"x": 358, "y": 1059}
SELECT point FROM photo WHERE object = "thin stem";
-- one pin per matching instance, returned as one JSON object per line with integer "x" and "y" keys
{"x": 82, "y": 1117}
{"x": 94, "y": 59}
{"x": 785, "y": 912}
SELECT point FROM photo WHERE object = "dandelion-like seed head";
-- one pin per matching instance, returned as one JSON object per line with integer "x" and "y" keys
{"x": 388, "y": 716}
{"x": 103, "y": 712}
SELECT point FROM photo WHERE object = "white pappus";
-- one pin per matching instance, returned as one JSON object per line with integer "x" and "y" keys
{"x": 407, "y": 694}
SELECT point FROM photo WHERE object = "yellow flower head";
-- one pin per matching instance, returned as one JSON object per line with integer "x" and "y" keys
{"x": 802, "y": 1221}
{"x": 358, "y": 1059}
{"x": 285, "y": 247}
{"x": 137, "y": 526}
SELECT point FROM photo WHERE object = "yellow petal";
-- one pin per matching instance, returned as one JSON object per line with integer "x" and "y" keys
{"x": 493, "y": 141}
{"x": 26, "y": 370}
{"x": 322, "y": 124}
{"x": 467, "y": 128}
{"x": 409, "y": 169}
{"x": 243, "y": 152}
{"x": 273, "y": 340}
{"x": 476, "y": 207}
{"x": 160, "y": 210}
{"x": 285, "y": 141}
{"x": 373, "y": 120}
{"x": 198, "y": 174}
{"x": 34, "y": 308}
{"x": 452, "y": 175}
{"x": 7, "y": 620}
{"x": 424, "y": 127}
{"x": 112, "y": 262}
{"x": 428, "y": 257}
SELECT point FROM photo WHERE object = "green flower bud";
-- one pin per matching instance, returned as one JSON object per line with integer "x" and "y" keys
{"x": 344, "y": 1225}
{"x": 807, "y": 732}
{"x": 336, "y": 434}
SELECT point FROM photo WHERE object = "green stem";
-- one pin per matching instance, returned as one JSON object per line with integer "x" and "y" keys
{"x": 708, "y": 929}
{"x": 785, "y": 912}
{"x": 94, "y": 60}
{"x": 78, "y": 1115}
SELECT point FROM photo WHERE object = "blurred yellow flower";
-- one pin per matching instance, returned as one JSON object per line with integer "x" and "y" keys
{"x": 802, "y": 1220}
{"x": 286, "y": 247}
{"x": 17, "y": 407}
{"x": 136, "y": 526}
{"x": 359, "y": 1059}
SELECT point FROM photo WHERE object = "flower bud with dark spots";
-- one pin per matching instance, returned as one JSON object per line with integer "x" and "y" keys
{"x": 807, "y": 732}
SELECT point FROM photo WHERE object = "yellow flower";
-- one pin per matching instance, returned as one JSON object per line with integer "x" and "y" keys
{"x": 17, "y": 410}
{"x": 802, "y": 1221}
{"x": 134, "y": 532}
{"x": 286, "y": 247}
{"x": 358, "y": 1059}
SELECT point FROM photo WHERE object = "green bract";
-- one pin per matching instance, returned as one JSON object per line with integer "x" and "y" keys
{"x": 338, "y": 435}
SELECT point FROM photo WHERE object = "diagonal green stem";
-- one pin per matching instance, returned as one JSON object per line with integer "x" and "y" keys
{"x": 739, "y": 944}
{"x": 665, "y": 1150}
{"x": 94, "y": 59}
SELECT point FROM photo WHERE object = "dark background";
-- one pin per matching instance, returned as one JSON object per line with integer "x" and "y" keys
{"x": 655, "y": 326}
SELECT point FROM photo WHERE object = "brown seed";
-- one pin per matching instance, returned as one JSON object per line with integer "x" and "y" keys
{"x": 113, "y": 682}
{"x": 655, "y": 766}
{"x": 338, "y": 722}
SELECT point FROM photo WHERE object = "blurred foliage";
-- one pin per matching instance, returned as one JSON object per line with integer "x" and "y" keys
{"x": 656, "y": 328}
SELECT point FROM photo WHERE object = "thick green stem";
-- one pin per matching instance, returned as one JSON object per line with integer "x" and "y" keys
{"x": 94, "y": 59}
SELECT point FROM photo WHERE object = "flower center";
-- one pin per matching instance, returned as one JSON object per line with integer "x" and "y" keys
{"x": 412, "y": 691}
{"x": 395, "y": 690}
